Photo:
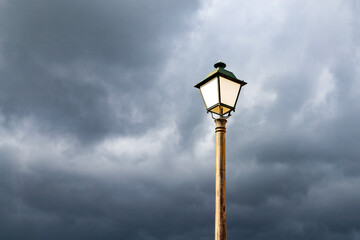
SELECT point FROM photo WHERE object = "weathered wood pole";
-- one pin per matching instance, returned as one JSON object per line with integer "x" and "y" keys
{"x": 220, "y": 182}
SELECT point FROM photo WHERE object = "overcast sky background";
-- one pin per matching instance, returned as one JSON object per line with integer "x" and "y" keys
{"x": 103, "y": 136}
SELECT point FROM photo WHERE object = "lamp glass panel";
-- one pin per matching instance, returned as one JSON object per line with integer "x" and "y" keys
{"x": 228, "y": 91}
{"x": 210, "y": 92}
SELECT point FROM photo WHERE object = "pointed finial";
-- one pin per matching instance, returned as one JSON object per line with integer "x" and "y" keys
{"x": 220, "y": 64}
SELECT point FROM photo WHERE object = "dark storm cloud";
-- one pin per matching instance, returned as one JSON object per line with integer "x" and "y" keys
{"x": 59, "y": 204}
{"x": 64, "y": 60}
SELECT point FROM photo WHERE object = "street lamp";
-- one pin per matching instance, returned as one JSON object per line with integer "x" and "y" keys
{"x": 220, "y": 91}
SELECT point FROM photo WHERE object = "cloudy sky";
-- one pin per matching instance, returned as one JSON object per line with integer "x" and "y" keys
{"x": 103, "y": 136}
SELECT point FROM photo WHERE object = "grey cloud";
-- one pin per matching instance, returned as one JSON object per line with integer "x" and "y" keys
{"x": 117, "y": 69}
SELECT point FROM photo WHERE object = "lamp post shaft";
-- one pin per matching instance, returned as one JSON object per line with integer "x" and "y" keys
{"x": 220, "y": 182}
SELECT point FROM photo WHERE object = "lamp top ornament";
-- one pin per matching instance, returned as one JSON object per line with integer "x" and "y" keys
{"x": 220, "y": 90}
{"x": 219, "y": 64}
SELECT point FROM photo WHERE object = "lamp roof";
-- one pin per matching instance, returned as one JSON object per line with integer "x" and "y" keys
{"x": 221, "y": 71}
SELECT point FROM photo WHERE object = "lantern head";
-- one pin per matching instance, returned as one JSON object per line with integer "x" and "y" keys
{"x": 220, "y": 90}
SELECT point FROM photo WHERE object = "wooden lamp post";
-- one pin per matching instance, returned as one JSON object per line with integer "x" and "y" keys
{"x": 220, "y": 91}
